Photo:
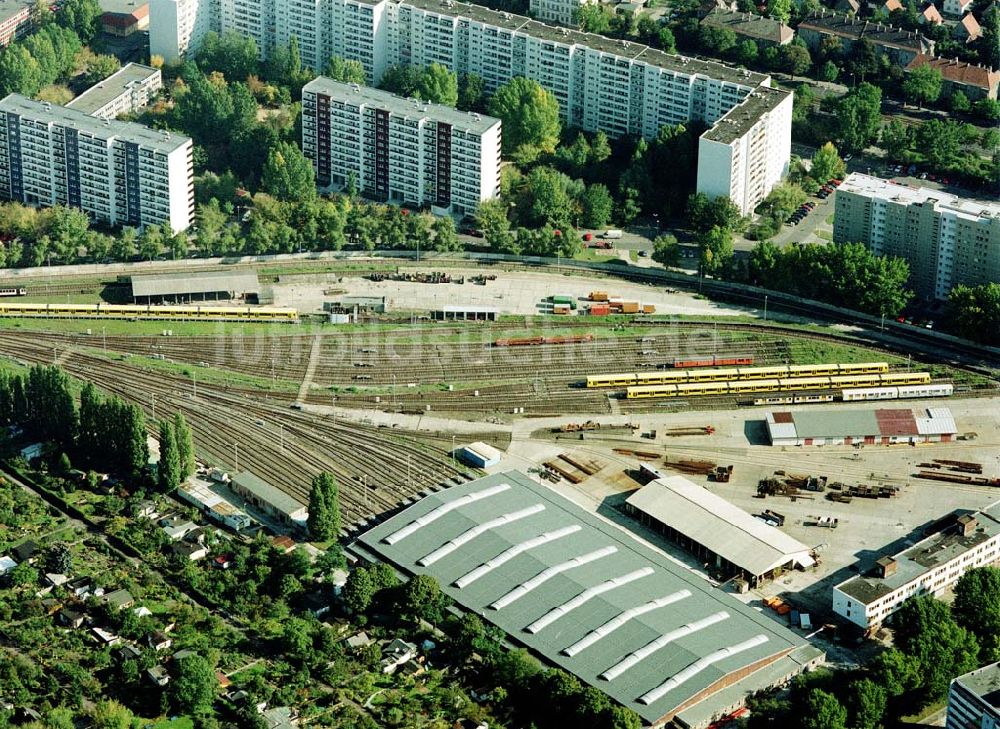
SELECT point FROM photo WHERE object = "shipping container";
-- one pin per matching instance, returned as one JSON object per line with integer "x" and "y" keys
{"x": 648, "y": 309}
{"x": 599, "y": 310}
{"x": 630, "y": 307}
{"x": 598, "y": 295}
{"x": 561, "y": 309}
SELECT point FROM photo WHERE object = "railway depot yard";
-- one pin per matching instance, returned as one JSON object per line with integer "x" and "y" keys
{"x": 384, "y": 405}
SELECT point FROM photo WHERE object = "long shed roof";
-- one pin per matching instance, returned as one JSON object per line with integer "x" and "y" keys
{"x": 717, "y": 524}
{"x": 183, "y": 284}
{"x": 583, "y": 593}
{"x": 278, "y": 499}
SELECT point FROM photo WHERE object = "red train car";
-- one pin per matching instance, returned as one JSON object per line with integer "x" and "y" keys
{"x": 712, "y": 362}
{"x": 531, "y": 341}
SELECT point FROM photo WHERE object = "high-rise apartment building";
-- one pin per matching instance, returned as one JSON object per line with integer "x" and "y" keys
{"x": 615, "y": 86}
{"x": 399, "y": 150}
{"x": 947, "y": 240}
{"x": 974, "y": 699}
{"x": 178, "y": 26}
{"x": 117, "y": 172}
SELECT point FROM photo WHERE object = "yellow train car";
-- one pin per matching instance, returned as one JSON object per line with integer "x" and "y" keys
{"x": 647, "y": 391}
{"x": 813, "y": 370}
{"x": 664, "y": 377}
{"x": 133, "y": 311}
{"x": 857, "y": 380}
{"x": 619, "y": 380}
{"x": 864, "y": 368}
{"x": 702, "y": 388}
{"x": 754, "y": 385}
{"x": 805, "y": 383}
{"x": 906, "y": 378}
{"x": 762, "y": 373}
{"x": 712, "y": 375}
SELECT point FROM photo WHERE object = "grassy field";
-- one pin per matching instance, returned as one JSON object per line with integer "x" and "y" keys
{"x": 146, "y": 328}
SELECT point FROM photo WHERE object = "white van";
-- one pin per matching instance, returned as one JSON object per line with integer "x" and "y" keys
{"x": 613, "y": 234}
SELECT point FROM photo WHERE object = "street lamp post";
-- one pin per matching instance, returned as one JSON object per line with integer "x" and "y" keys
{"x": 765, "y": 307}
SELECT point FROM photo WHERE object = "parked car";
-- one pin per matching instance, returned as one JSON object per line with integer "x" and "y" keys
{"x": 588, "y": 236}
{"x": 923, "y": 175}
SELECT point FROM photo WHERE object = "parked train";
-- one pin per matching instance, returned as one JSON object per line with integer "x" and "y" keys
{"x": 713, "y": 361}
{"x": 944, "y": 389}
{"x": 736, "y": 387}
{"x": 534, "y": 341}
{"x": 144, "y": 311}
{"x": 18, "y": 291}
{"x": 736, "y": 373}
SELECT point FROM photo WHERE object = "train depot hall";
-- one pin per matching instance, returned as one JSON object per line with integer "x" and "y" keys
{"x": 869, "y": 427}
{"x": 184, "y": 287}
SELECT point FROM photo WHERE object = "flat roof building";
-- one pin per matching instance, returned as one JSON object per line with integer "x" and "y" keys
{"x": 869, "y": 427}
{"x": 929, "y": 567}
{"x": 974, "y": 699}
{"x": 727, "y": 537}
{"x": 270, "y": 499}
{"x": 117, "y": 172}
{"x": 946, "y": 239}
{"x": 128, "y": 89}
{"x": 16, "y": 20}
{"x": 399, "y": 150}
{"x": 590, "y": 598}
{"x": 183, "y": 287}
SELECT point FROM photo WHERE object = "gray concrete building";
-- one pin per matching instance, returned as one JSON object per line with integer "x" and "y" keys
{"x": 974, "y": 699}
{"x": 947, "y": 240}
{"x": 128, "y": 89}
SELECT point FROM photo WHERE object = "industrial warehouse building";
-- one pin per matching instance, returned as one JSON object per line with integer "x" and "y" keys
{"x": 974, "y": 699}
{"x": 183, "y": 287}
{"x": 590, "y": 598}
{"x": 480, "y": 455}
{"x": 870, "y": 427}
{"x": 271, "y": 500}
{"x": 728, "y": 538}
{"x": 930, "y": 566}
{"x": 466, "y": 313}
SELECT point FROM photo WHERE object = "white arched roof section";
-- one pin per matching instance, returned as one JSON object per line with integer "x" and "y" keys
{"x": 590, "y": 593}
{"x": 435, "y": 514}
{"x": 508, "y": 554}
{"x": 547, "y": 574}
{"x": 465, "y": 537}
{"x": 619, "y": 620}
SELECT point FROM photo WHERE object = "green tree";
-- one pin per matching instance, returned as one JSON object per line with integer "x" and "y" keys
{"x": 716, "y": 40}
{"x": 151, "y": 242}
{"x": 51, "y": 408}
{"x": 168, "y": 472}
{"x": 594, "y": 18}
{"x": 530, "y": 117}
{"x": 598, "y": 206}
{"x": 959, "y": 102}
{"x": 940, "y": 142}
{"x": 493, "y": 221}
{"x": 348, "y": 72}
{"x": 746, "y": 52}
{"x": 868, "y": 704}
{"x": 101, "y": 67}
{"x": 780, "y": 10}
{"x": 422, "y": 598}
{"x": 193, "y": 685}
{"x": 445, "y": 236}
{"x": 19, "y": 71}
{"x": 827, "y": 164}
{"x": 859, "y": 116}
{"x": 471, "y": 92}
{"x": 977, "y": 607}
{"x": 975, "y": 312}
{"x": 324, "y": 508}
{"x": 288, "y": 175}
{"x": 232, "y": 54}
{"x": 666, "y": 250}
{"x": 829, "y": 72}
{"x": 988, "y": 109}
{"x": 925, "y": 629}
{"x": 401, "y": 80}
{"x": 795, "y": 58}
{"x": 438, "y": 85}
{"x": 80, "y": 16}
{"x": 666, "y": 39}
{"x": 126, "y": 245}
{"x": 716, "y": 250}
{"x": 720, "y": 212}
{"x": 185, "y": 446}
{"x": 109, "y": 714}
{"x": 923, "y": 85}
{"x": 364, "y": 585}
{"x": 22, "y": 575}
{"x": 622, "y": 717}
{"x": 824, "y": 711}
{"x": 896, "y": 139}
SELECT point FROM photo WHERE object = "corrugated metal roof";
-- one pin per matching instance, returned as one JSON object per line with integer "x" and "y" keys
{"x": 719, "y": 525}
{"x": 780, "y": 426}
{"x": 835, "y": 423}
{"x": 593, "y": 595}
{"x": 269, "y": 494}
{"x": 186, "y": 284}
{"x": 939, "y": 421}
{"x": 895, "y": 422}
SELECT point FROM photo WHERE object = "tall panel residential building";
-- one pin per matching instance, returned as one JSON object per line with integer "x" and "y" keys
{"x": 947, "y": 240}
{"x": 177, "y": 27}
{"x": 117, "y": 172}
{"x": 399, "y": 150}
{"x": 601, "y": 83}
{"x": 974, "y": 699}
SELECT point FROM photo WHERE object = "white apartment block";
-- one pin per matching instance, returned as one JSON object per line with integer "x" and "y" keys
{"x": 929, "y": 567}
{"x": 561, "y": 12}
{"x": 604, "y": 84}
{"x": 117, "y": 172}
{"x": 947, "y": 240}
{"x": 974, "y": 699}
{"x": 399, "y": 150}
{"x": 178, "y": 26}
{"x": 129, "y": 89}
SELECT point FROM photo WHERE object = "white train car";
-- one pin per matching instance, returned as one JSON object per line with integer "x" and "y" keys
{"x": 944, "y": 389}
{"x": 869, "y": 393}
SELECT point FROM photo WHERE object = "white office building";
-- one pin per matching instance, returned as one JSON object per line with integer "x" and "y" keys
{"x": 129, "y": 89}
{"x": 117, "y": 172}
{"x": 974, "y": 699}
{"x": 178, "y": 26}
{"x": 929, "y": 567}
{"x": 615, "y": 86}
{"x": 946, "y": 239}
{"x": 399, "y": 150}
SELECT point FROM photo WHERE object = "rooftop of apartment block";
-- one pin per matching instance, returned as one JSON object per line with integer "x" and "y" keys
{"x": 157, "y": 140}
{"x": 744, "y": 115}
{"x": 868, "y": 186}
{"x": 104, "y": 92}
{"x": 400, "y": 105}
{"x": 10, "y": 8}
